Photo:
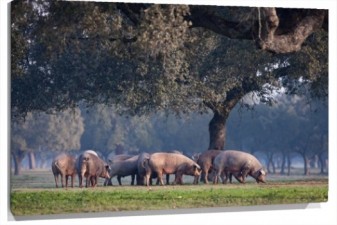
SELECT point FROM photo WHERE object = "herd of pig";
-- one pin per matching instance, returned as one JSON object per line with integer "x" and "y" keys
{"x": 208, "y": 165}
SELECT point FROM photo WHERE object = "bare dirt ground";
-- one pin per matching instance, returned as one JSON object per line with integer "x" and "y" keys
{"x": 42, "y": 179}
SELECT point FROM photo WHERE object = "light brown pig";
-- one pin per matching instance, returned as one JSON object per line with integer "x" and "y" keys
{"x": 170, "y": 163}
{"x": 240, "y": 164}
{"x": 91, "y": 167}
{"x": 64, "y": 165}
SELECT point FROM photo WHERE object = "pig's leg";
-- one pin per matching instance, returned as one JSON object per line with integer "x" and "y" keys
{"x": 167, "y": 179}
{"x": 132, "y": 179}
{"x": 206, "y": 176}
{"x": 67, "y": 176}
{"x": 62, "y": 179}
{"x": 56, "y": 177}
{"x": 160, "y": 177}
{"x": 119, "y": 180}
{"x": 72, "y": 180}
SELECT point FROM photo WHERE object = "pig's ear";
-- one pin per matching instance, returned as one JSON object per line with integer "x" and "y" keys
{"x": 262, "y": 172}
{"x": 196, "y": 167}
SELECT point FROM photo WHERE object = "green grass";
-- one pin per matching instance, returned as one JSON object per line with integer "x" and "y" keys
{"x": 56, "y": 201}
{"x": 34, "y": 193}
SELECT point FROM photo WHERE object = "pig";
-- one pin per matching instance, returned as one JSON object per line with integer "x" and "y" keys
{"x": 118, "y": 157}
{"x": 112, "y": 159}
{"x": 89, "y": 165}
{"x": 196, "y": 156}
{"x": 91, "y": 152}
{"x": 205, "y": 161}
{"x": 240, "y": 164}
{"x": 64, "y": 165}
{"x": 122, "y": 168}
{"x": 170, "y": 163}
{"x": 141, "y": 176}
{"x": 141, "y": 171}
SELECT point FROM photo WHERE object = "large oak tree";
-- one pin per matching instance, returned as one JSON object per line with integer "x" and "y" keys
{"x": 144, "y": 58}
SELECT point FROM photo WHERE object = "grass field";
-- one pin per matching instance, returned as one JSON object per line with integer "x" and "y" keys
{"x": 34, "y": 193}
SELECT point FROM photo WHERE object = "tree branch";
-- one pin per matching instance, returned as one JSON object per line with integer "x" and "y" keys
{"x": 209, "y": 18}
{"x": 293, "y": 40}
{"x": 282, "y": 31}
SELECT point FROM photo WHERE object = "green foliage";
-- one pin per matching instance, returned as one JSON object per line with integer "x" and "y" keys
{"x": 105, "y": 130}
{"x": 55, "y": 132}
{"x": 293, "y": 125}
{"x": 142, "y": 58}
{"x": 163, "y": 32}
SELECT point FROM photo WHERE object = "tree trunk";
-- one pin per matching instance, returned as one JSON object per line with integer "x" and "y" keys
{"x": 217, "y": 132}
{"x": 31, "y": 159}
{"x": 273, "y": 165}
{"x": 321, "y": 163}
{"x": 283, "y": 164}
{"x": 270, "y": 162}
{"x": 217, "y": 125}
{"x": 306, "y": 162}
{"x": 17, "y": 159}
{"x": 289, "y": 163}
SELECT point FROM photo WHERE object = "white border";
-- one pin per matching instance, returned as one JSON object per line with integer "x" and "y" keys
{"x": 324, "y": 214}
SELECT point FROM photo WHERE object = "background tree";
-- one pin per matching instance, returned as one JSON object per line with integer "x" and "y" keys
{"x": 106, "y": 131}
{"x": 291, "y": 126}
{"x": 41, "y": 134}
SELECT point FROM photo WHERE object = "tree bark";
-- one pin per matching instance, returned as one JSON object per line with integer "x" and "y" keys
{"x": 321, "y": 163}
{"x": 221, "y": 112}
{"x": 283, "y": 164}
{"x": 278, "y": 30}
{"x": 17, "y": 159}
{"x": 291, "y": 41}
{"x": 270, "y": 162}
{"x": 273, "y": 165}
{"x": 289, "y": 163}
{"x": 274, "y": 29}
{"x": 217, "y": 132}
{"x": 306, "y": 162}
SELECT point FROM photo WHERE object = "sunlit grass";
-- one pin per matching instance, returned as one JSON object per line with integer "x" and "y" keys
{"x": 55, "y": 201}
{"x": 34, "y": 193}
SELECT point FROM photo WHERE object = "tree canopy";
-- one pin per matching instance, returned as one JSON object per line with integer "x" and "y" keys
{"x": 145, "y": 58}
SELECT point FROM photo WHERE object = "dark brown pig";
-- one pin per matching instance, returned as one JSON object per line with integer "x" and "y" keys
{"x": 170, "y": 163}
{"x": 240, "y": 164}
{"x": 205, "y": 161}
{"x": 114, "y": 158}
{"x": 141, "y": 171}
{"x": 122, "y": 168}
{"x": 64, "y": 165}
{"x": 91, "y": 167}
